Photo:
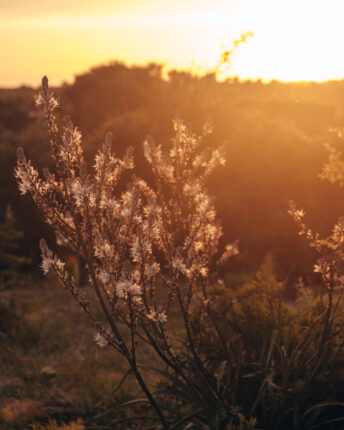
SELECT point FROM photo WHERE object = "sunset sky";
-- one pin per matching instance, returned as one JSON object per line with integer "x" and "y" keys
{"x": 293, "y": 39}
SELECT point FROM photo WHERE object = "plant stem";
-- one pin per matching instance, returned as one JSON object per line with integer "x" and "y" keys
{"x": 148, "y": 394}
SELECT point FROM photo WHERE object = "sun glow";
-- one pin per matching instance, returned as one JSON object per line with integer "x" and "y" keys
{"x": 293, "y": 40}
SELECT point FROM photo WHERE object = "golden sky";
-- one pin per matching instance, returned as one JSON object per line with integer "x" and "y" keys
{"x": 293, "y": 39}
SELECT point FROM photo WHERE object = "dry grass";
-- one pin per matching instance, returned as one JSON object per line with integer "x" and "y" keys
{"x": 49, "y": 365}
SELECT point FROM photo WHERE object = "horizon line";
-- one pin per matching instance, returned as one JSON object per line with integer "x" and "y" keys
{"x": 166, "y": 69}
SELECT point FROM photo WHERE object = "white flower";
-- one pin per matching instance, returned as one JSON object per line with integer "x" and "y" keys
{"x": 26, "y": 175}
{"x": 48, "y": 259}
{"x": 58, "y": 263}
{"x": 199, "y": 245}
{"x": 147, "y": 246}
{"x": 53, "y": 103}
{"x": 137, "y": 300}
{"x": 122, "y": 288}
{"x": 100, "y": 340}
{"x": 39, "y": 100}
{"x": 136, "y": 275}
{"x": 111, "y": 204}
{"x": 147, "y": 150}
{"x": 135, "y": 251}
{"x": 103, "y": 249}
{"x": 217, "y": 158}
{"x": 151, "y": 269}
{"x": 99, "y": 161}
{"x": 232, "y": 249}
{"x": 162, "y": 317}
{"x": 80, "y": 191}
{"x": 47, "y": 262}
{"x": 299, "y": 213}
{"x": 193, "y": 188}
{"x": 203, "y": 205}
{"x": 135, "y": 289}
{"x": 126, "y": 212}
{"x": 151, "y": 315}
{"x": 203, "y": 271}
{"x": 177, "y": 263}
{"x": 322, "y": 266}
{"x": 104, "y": 276}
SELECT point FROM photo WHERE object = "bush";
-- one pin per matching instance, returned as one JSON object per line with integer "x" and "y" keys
{"x": 244, "y": 357}
{"x": 274, "y": 366}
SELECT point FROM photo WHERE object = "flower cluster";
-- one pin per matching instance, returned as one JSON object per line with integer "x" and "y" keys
{"x": 134, "y": 240}
{"x": 330, "y": 264}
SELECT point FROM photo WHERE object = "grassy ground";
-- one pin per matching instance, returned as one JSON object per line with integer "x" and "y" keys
{"x": 50, "y": 367}
{"x": 53, "y": 375}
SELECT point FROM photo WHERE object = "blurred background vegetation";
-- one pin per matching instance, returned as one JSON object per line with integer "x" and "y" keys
{"x": 273, "y": 135}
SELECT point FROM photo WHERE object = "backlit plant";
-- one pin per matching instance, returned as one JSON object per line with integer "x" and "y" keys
{"x": 147, "y": 249}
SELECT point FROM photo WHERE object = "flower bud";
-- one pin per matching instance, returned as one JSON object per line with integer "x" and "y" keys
{"x": 67, "y": 138}
{"x": 20, "y": 154}
{"x": 46, "y": 172}
{"x": 83, "y": 171}
{"x": 44, "y": 248}
{"x": 108, "y": 142}
{"x": 45, "y": 87}
{"x": 68, "y": 122}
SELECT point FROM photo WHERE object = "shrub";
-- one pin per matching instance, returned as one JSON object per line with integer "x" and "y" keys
{"x": 272, "y": 363}
{"x": 129, "y": 241}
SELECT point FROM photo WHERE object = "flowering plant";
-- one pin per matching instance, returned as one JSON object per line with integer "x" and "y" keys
{"x": 133, "y": 242}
